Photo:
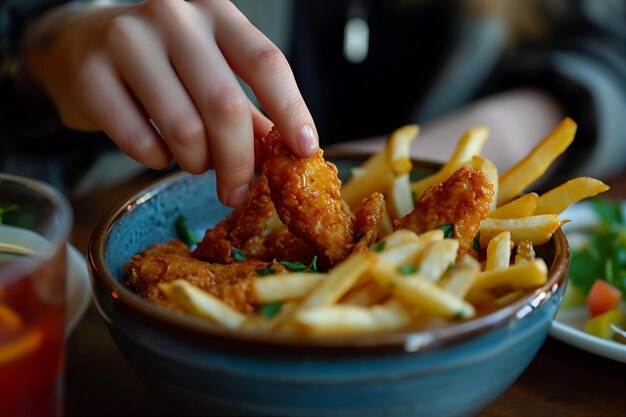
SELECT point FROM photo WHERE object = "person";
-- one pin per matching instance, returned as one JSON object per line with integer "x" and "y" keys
{"x": 160, "y": 79}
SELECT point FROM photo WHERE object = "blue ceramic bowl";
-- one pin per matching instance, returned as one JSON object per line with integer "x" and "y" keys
{"x": 210, "y": 370}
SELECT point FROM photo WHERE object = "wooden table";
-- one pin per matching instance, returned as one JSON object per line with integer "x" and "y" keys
{"x": 560, "y": 381}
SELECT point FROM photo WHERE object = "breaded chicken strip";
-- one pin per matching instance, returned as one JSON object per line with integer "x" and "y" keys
{"x": 242, "y": 229}
{"x": 227, "y": 282}
{"x": 306, "y": 194}
{"x": 462, "y": 200}
{"x": 367, "y": 221}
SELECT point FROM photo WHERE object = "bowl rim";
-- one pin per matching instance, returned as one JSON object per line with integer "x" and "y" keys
{"x": 408, "y": 340}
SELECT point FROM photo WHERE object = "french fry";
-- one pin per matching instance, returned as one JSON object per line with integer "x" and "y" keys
{"x": 401, "y": 254}
{"x": 399, "y": 194}
{"x": 469, "y": 145}
{"x": 421, "y": 293}
{"x": 200, "y": 303}
{"x": 460, "y": 279}
{"x": 284, "y": 287}
{"x": 514, "y": 181}
{"x": 437, "y": 258}
{"x": 346, "y": 319}
{"x": 404, "y": 245}
{"x": 399, "y": 237}
{"x": 536, "y": 229}
{"x": 499, "y": 251}
{"x": 400, "y": 197}
{"x": 519, "y": 277}
{"x": 523, "y": 206}
{"x": 561, "y": 197}
{"x": 367, "y": 294}
{"x": 339, "y": 280}
{"x": 489, "y": 169}
{"x": 376, "y": 179}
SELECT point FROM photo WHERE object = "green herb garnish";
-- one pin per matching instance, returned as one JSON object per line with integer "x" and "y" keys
{"x": 476, "y": 242}
{"x": 7, "y": 209}
{"x": 300, "y": 267}
{"x": 604, "y": 256}
{"x": 184, "y": 233}
{"x": 380, "y": 246}
{"x": 408, "y": 269}
{"x": 266, "y": 270}
{"x": 271, "y": 309}
{"x": 294, "y": 266}
{"x": 238, "y": 254}
{"x": 448, "y": 230}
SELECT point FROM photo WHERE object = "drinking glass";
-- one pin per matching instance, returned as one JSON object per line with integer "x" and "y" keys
{"x": 35, "y": 221}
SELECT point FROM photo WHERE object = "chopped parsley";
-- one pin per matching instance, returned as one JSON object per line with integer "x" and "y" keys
{"x": 266, "y": 270}
{"x": 7, "y": 209}
{"x": 476, "y": 242}
{"x": 271, "y": 309}
{"x": 448, "y": 230}
{"x": 300, "y": 267}
{"x": 380, "y": 246}
{"x": 238, "y": 254}
{"x": 407, "y": 269}
{"x": 184, "y": 233}
{"x": 459, "y": 315}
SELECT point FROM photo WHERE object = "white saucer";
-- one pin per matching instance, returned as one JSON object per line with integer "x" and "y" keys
{"x": 78, "y": 289}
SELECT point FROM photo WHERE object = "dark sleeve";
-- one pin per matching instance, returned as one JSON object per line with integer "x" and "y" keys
{"x": 582, "y": 65}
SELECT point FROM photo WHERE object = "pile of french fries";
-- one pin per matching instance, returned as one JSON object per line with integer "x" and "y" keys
{"x": 408, "y": 280}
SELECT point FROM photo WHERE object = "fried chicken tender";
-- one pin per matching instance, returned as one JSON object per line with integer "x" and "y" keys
{"x": 306, "y": 194}
{"x": 462, "y": 200}
{"x": 242, "y": 229}
{"x": 367, "y": 221}
{"x": 227, "y": 282}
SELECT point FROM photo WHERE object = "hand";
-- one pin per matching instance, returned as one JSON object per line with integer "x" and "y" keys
{"x": 112, "y": 68}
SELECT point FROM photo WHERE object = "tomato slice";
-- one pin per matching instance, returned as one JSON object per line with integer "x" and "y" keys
{"x": 602, "y": 297}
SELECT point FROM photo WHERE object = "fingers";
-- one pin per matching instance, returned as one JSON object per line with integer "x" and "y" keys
{"x": 263, "y": 66}
{"x": 143, "y": 64}
{"x": 119, "y": 116}
{"x": 222, "y": 105}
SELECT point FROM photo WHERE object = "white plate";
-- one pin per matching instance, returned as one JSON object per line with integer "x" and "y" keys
{"x": 569, "y": 323}
{"x": 78, "y": 289}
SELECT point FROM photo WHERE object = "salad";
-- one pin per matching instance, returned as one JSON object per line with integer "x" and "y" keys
{"x": 598, "y": 272}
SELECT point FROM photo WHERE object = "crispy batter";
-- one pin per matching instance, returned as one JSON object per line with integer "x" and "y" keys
{"x": 285, "y": 246}
{"x": 306, "y": 194}
{"x": 462, "y": 200}
{"x": 242, "y": 229}
{"x": 173, "y": 247}
{"x": 367, "y": 221}
{"x": 227, "y": 282}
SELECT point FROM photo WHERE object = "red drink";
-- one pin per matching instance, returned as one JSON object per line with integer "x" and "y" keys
{"x": 34, "y": 225}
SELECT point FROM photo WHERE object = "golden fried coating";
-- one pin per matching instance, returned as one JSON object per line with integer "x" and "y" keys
{"x": 306, "y": 194}
{"x": 228, "y": 282}
{"x": 367, "y": 221}
{"x": 173, "y": 247}
{"x": 285, "y": 246}
{"x": 241, "y": 229}
{"x": 462, "y": 200}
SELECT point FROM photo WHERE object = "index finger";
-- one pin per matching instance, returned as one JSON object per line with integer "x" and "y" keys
{"x": 266, "y": 70}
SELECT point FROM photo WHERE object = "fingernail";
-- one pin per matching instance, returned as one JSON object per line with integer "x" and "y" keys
{"x": 307, "y": 141}
{"x": 238, "y": 196}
